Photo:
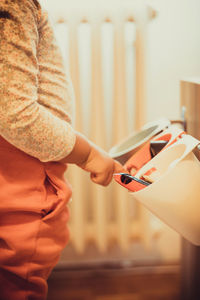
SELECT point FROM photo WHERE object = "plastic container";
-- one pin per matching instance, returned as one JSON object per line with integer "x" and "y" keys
{"x": 175, "y": 196}
{"x": 144, "y": 153}
{"x": 124, "y": 150}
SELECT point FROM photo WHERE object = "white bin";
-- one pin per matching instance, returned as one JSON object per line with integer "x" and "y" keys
{"x": 124, "y": 150}
{"x": 175, "y": 196}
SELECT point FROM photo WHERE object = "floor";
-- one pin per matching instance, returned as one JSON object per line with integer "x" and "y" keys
{"x": 140, "y": 283}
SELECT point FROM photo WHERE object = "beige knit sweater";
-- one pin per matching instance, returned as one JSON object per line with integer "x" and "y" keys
{"x": 35, "y": 94}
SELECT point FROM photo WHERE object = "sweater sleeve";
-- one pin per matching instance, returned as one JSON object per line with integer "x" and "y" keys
{"x": 24, "y": 122}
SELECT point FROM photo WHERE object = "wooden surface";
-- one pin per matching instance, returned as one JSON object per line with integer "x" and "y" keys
{"x": 157, "y": 283}
{"x": 190, "y": 274}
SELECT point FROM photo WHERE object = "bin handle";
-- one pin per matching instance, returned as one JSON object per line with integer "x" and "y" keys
{"x": 194, "y": 144}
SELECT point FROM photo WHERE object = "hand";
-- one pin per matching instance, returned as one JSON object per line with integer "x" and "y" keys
{"x": 101, "y": 166}
{"x": 92, "y": 159}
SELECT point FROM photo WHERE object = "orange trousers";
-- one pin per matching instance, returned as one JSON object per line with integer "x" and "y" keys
{"x": 33, "y": 218}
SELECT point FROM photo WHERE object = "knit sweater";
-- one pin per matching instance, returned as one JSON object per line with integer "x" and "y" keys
{"x": 35, "y": 93}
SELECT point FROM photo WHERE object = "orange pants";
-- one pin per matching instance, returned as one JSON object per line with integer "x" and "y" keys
{"x": 33, "y": 217}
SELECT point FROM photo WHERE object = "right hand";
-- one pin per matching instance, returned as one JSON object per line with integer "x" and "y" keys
{"x": 101, "y": 166}
{"x": 93, "y": 159}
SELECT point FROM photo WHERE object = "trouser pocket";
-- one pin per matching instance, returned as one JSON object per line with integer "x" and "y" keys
{"x": 54, "y": 198}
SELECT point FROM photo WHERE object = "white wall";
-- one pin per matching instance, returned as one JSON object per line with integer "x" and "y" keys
{"x": 173, "y": 50}
{"x": 173, "y": 53}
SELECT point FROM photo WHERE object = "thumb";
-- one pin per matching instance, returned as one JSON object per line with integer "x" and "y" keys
{"x": 118, "y": 168}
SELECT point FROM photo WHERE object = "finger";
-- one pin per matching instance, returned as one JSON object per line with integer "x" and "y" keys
{"x": 133, "y": 171}
{"x": 118, "y": 168}
{"x": 130, "y": 169}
